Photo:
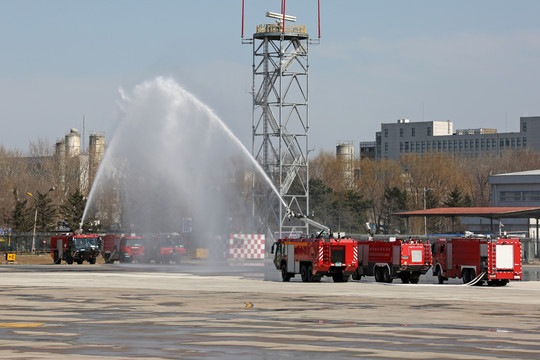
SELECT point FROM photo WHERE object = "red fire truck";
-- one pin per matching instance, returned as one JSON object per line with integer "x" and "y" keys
{"x": 498, "y": 260}
{"x": 75, "y": 247}
{"x": 123, "y": 248}
{"x": 320, "y": 255}
{"x": 164, "y": 248}
{"x": 313, "y": 258}
{"x": 387, "y": 260}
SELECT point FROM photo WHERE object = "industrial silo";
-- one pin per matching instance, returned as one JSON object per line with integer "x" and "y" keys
{"x": 73, "y": 143}
{"x": 96, "y": 150}
{"x": 60, "y": 148}
{"x": 345, "y": 157}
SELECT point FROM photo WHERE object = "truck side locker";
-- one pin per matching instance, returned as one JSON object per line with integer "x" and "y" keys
{"x": 483, "y": 250}
{"x": 396, "y": 256}
{"x": 59, "y": 248}
{"x": 449, "y": 256}
{"x": 289, "y": 251}
{"x": 484, "y": 254}
{"x": 365, "y": 254}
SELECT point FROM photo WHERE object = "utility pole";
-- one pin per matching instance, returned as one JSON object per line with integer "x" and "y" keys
{"x": 425, "y": 217}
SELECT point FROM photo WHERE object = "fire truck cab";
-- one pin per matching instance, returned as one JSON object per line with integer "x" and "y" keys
{"x": 123, "y": 248}
{"x": 165, "y": 248}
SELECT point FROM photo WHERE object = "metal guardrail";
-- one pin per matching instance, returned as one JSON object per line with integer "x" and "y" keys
{"x": 22, "y": 243}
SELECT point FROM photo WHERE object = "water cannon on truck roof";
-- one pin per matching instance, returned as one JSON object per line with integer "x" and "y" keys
{"x": 323, "y": 229}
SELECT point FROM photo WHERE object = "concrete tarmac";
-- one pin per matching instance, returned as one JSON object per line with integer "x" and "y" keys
{"x": 197, "y": 312}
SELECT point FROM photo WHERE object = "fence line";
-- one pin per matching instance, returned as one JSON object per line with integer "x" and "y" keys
{"x": 22, "y": 242}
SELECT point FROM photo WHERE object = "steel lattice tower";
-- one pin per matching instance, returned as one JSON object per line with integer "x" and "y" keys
{"x": 280, "y": 121}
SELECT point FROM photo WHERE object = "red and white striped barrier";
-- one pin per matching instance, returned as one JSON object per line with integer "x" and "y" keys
{"x": 246, "y": 246}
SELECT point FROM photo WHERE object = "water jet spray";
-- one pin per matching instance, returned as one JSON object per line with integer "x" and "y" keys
{"x": 167, "y": 161}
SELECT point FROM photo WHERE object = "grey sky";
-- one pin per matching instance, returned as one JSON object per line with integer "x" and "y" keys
{"x": 472, "y": 62}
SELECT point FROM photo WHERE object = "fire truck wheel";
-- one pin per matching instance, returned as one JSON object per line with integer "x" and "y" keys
{"x": 386, "y": 275}
{"x": 304, "y": 273}
{"x": 285, "y": 276}
{"x": 310, "y": 273}
{"x": 415, "y": 277}
{"x": 69, "y": 261}
{"x": 57, "y": 260}
{"x": 92, "y": 260}
{"x": 316, "y": 278}
{"x": 356, "y": 275}
{"x": 467, "y": 276}
{"x": 79, "y": 261}
{"x": 377, "y": 271}
{"x": 440, "y": 278}
{"x": 472, "y": 274}
{"x": 405, "y": 278}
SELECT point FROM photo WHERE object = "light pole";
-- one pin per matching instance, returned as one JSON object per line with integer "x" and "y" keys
{"x": 35, "y": 221}
{"x": 425, "y": 217}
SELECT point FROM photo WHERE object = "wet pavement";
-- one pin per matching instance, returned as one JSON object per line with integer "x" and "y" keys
{"x": 192, "y": 311}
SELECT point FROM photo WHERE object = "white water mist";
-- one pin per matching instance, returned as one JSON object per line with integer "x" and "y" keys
{"x": 171, "y": 158}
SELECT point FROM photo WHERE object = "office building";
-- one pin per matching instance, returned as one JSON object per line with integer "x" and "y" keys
{"x": 406, "y": 137}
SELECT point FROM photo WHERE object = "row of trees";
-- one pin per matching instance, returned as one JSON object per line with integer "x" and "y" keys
{"x": 377, "y": 191}
{"x": 46, "y": 215}
{"x": 38, "y": 187}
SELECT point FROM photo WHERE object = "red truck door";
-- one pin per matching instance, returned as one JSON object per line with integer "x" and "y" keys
{"x": 449, "y": 249}
{"x": 59, "y": 247}
{"x": 396, "y": 254}
{"x": 289, "y": 252}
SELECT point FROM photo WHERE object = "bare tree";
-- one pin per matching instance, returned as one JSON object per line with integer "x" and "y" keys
{"x": 375, "y": 178}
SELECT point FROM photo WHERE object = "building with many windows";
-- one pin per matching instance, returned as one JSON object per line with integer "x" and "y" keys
{"x": 405, "y": 137}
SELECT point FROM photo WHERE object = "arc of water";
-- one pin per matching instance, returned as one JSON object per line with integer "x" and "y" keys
{"x": 171, "y": 86}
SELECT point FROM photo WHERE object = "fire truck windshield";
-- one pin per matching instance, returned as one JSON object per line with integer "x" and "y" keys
{"x": 134, "y": 242}
{"x": 85, "y": 242}
{"x": 177, "y": 242}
